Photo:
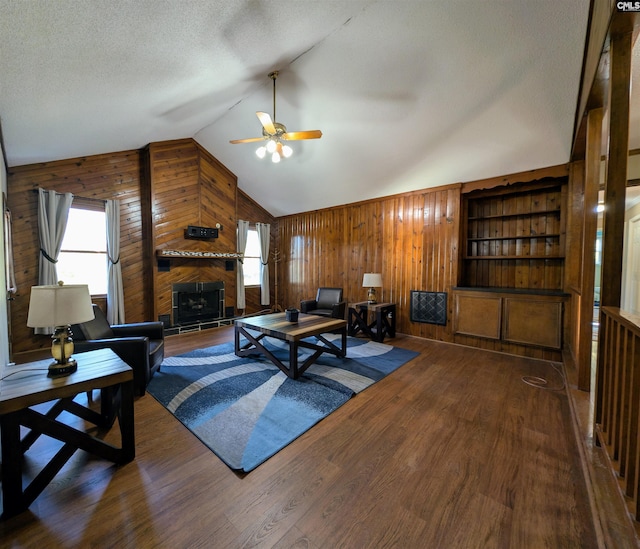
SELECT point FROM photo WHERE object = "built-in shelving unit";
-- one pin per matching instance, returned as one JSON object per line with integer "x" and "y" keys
{"x": 515, "y": 238}
{"x": 512, "y": 268}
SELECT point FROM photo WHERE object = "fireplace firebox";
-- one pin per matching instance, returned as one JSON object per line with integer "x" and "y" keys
{"x": 194, "y": 302}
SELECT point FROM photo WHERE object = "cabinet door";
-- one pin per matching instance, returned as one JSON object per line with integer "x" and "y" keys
{"x": 478, "y": 315}
{"x": 533, "y": 322}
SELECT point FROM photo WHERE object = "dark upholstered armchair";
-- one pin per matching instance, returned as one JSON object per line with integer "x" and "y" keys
{"x": 140, "y": 345}
{"x": 328, "y": 302}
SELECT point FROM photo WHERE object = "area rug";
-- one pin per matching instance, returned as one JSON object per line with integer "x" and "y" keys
{"x": 245, "y": 409}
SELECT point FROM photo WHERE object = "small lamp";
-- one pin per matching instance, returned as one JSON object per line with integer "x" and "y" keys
{"x": 59, "y": 306}
{"x": 372, "y": 281}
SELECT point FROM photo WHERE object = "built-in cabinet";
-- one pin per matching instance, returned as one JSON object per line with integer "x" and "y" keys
{"x": 520, "y": 318}
{"x": 512, "y": 266}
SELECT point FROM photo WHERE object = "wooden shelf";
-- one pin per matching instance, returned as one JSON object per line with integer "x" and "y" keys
{"x": 514, "y": 235}
{"x": 499, "y": 257}
{"x": 530, "y": 236}
{"x": 519, "y": 214}
{"x": 190, "y": 254}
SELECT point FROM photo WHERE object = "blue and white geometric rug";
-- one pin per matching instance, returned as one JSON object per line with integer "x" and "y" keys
{"x": 245, "y": 409}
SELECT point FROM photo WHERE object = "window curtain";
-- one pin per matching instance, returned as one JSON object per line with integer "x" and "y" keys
{"x": 53, "y": 212}
{"x": 10, "y": 275}
{"x": 115, "y": 291}
{"x": 243, "y": 231}
{"x": 264, "y": 235}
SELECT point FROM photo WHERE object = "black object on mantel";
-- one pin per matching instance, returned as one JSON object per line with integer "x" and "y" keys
{"x": 193, "y": 231}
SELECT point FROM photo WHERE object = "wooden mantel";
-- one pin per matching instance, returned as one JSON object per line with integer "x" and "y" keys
{"x": 192, "y": 254}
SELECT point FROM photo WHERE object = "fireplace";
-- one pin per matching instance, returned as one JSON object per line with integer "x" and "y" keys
{"x": 194, "y": 302}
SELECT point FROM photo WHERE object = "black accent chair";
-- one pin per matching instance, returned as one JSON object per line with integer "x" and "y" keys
{"x": 140, "y": 345}
{"x": 328, "y": 302}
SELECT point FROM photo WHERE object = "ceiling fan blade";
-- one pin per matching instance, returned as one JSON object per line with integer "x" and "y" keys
{"x": 266, "y": 122}
{"x": 294, "y": 136}
{"x": 248, "y": 140}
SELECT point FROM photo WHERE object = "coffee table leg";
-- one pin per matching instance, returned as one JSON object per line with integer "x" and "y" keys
{"x": 293, "y": 359}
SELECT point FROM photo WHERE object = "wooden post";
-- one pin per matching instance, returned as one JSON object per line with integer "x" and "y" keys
{"x": 616, "y": 179}
{"x": 590, "y": 226}
{"x": 615, "y": 188}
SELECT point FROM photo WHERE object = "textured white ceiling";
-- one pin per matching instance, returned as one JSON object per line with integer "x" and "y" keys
{"x": 408, "y": 94}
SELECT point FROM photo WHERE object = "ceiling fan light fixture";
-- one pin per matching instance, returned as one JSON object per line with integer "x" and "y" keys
{"x": 275, "y": 133}
{"x": 275, "y": 158}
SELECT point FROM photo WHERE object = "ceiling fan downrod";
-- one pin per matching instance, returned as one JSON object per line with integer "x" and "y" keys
{"x": 273, "y": 75}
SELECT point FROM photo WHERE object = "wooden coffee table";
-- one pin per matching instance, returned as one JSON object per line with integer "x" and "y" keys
{"x": 294, "y": 333}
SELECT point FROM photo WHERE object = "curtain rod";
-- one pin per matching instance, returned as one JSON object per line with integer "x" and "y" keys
{"x": 75, "y": 195}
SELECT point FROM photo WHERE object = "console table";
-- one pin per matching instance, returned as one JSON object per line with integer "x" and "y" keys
{"x": 383, "y": 323}
{"x": 26, "y": 385}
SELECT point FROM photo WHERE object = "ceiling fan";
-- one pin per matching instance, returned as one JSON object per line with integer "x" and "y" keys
{"x": 276, "y": 134}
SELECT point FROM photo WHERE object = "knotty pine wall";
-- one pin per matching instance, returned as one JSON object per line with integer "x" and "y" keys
{"x": 189, "y": 186}
{"x": 162, "y": 189}
{"x": 412, "y": 239}
{"x": 107, "y": 176}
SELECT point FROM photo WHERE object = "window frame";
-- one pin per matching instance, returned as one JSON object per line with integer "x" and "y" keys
{"x": 96, "y": 205}
{"x": 245, "y": 257}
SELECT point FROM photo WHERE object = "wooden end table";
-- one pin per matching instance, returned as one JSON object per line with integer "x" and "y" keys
{"x": 383, "y": 324}
{"x": 276, "y": 326}
{"x": 101, "y": 369}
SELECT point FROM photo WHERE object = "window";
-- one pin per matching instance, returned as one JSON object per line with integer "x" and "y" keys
{"x": 83, "y": 256}
{"x": 251, "y": 263}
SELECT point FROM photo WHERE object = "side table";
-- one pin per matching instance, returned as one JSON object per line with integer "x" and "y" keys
{"x": 101, "y": 369}
{"x": 383, "y": 323}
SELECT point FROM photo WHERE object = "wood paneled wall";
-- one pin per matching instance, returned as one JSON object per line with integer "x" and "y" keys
{"x": 107, "y": 176}
{"x": 162, "y": 189}
{"x": 189, "y": 187}
{"x": 412, "y": 239}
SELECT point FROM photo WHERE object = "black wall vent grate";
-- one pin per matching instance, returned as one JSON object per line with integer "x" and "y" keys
{"x": 429, "y": 307}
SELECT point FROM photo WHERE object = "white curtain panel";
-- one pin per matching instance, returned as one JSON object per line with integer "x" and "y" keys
{"x": 243, "y": 231}
{"x": 53, "y": 212}
{"x": 10, "y": 274}
{"x": 115, "y": 290}
{"x": 264, "y": 235}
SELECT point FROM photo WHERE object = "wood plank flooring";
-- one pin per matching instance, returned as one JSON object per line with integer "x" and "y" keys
{"x": 453, "y": 450}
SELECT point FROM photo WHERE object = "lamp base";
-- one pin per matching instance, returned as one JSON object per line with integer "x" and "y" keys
{"x": 57, "y": 369}
{"x": 371, "y": 296}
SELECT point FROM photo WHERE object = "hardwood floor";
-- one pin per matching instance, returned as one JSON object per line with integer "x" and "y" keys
{"x": 453, "y": 450}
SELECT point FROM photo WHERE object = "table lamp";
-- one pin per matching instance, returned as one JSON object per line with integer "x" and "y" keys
{"x": 372, "y": 281}
{"x": 58, "y": 306}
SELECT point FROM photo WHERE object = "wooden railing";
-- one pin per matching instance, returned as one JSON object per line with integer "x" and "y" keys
{"x": 617, "y": 406}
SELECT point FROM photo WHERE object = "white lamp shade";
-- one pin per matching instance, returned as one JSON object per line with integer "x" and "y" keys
{"x": 59, "y": 305}
{"x": 372, "y": 280}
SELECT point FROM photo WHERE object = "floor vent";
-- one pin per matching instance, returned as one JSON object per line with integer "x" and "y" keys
{"x": 429, "y": 307}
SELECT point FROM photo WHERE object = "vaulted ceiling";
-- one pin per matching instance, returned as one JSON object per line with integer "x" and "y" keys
{"x": 408, "y": 94}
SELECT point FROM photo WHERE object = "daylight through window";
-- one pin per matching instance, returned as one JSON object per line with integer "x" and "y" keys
{"x": 83, "y": 256}
{"x": 251, "y": 263}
